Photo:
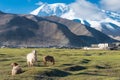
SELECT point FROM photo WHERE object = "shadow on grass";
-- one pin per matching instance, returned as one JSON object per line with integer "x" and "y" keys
{"x": 54, "y": 73}
{"x": 5, "y": 60}
{"x": 75, "y": 68}
{"x": 100, "y": 54}
{"x": 87, "y": 54}
{"x": 90, "y": 73}
{"x": 85, "y": 61}
{"x": 2, "y": 54}
{"x": 67, "y": 64}
{"x": 21, "y": 61}
{"x": 102, "y": 67}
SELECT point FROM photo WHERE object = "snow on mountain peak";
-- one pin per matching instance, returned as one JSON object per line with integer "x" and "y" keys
{"x": 51, "y": 9}
{"x": 107, "y": 22}
{"x": 36, "y": 11}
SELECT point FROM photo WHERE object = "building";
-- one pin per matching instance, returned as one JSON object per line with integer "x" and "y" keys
{"x": 104, "y": 46}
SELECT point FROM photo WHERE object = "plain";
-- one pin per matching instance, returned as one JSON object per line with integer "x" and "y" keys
{"x": 70, "y": 64}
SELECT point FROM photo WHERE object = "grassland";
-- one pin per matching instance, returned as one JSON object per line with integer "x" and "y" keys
{"x": 71, "y": 64}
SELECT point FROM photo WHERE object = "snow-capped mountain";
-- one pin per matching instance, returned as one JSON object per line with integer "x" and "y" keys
{"x": 113, "y": 15}
{"x": 110, "y": 25}
{"x": 57, "y": 9}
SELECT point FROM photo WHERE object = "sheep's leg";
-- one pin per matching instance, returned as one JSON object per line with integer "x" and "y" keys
{"x": 32, "y": 64}
{"x": 28, "y": 63}
{"x": 45, "y": 62}
{"x": 53, "y": 62}
{"x": 14, "y": 72}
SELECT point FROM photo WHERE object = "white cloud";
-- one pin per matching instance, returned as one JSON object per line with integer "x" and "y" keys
{"x": 113, "y": 5}
{"x": 87, "y": 10}
{"x": 39, "y": 3}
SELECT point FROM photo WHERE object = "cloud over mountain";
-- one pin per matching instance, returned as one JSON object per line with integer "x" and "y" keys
{"x": 84, "y": 9}
{"x": 87, "y": 10}
{"x": 113, "y": 5}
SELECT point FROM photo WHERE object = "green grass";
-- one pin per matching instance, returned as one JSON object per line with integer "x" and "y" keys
{"x": 71, "y": 64}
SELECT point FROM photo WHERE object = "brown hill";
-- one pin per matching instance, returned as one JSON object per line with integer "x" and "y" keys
{"x": 33, "y": 31}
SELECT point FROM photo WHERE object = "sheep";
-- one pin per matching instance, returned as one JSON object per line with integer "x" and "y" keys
{"x": 16, "y": 69}
{"x": 32, "y": 58}
{"x": 48, "y": 58}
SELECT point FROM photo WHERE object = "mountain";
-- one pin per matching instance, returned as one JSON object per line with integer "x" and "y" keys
{"x": 34, "y": 31}
{"x": 109, "y": 26}
{"x": 85, "y": 32}
{"x": 1, "y": 12}
{"x": 51, "y": 9}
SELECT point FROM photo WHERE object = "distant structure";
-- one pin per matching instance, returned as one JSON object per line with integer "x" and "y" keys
{"x": 104, "y": 46}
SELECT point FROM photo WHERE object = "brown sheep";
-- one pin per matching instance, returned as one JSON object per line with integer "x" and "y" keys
{"x": 16, "y": 69}
{"x": 48, "y": 59}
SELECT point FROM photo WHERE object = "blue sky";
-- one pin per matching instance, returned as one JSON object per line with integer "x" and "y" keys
{"x": 26, "y": 6}
{"x": 17, "y": 6}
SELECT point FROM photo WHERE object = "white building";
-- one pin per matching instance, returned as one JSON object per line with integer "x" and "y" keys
{"x": 103, "y": 45}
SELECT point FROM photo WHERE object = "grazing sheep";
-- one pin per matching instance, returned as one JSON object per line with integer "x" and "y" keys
{"x": 16, "y": 69}
{"x": 48, "y": 58}
{"x": 32, "y": 58}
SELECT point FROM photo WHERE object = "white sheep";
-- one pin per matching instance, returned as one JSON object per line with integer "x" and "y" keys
{"x": 16, "y": 69}
{"x": 32, "y": 58}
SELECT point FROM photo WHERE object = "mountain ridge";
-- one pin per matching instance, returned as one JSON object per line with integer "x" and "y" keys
{"x": 34, "y": 31}
{"x": 68, "y": 13}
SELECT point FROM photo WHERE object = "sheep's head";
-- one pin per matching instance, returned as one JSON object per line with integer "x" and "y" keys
{"x": 34, "y": 51}
{"x": 14, "y": 64}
